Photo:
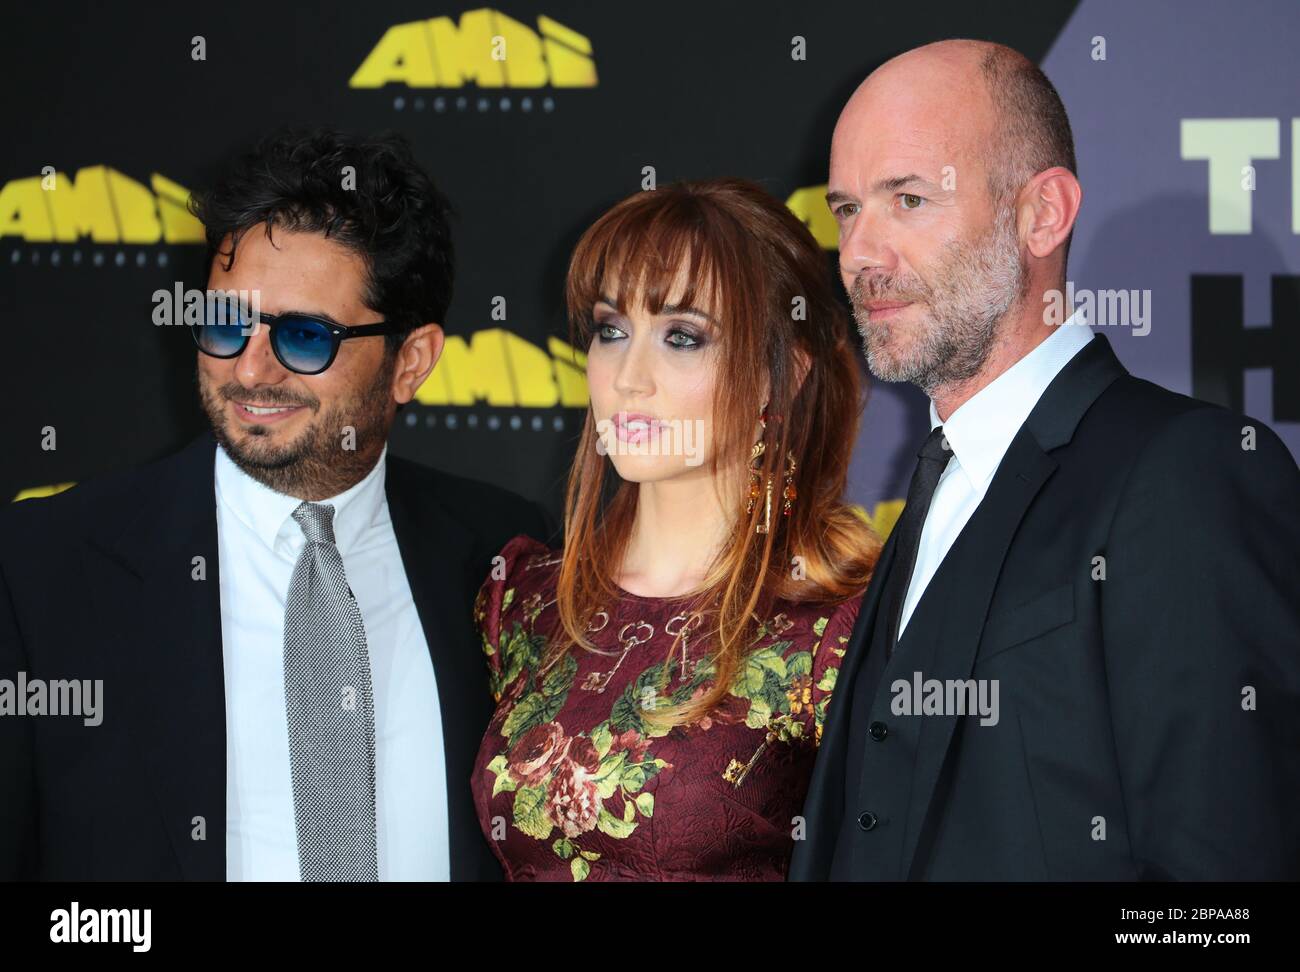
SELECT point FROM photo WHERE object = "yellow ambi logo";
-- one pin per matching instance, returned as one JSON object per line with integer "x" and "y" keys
{"x": 487, "y": 48}
{"x": 35, "y": 492}
{"x": 100, "y": 203}
{"x": 809, "y": 204}
{"x": 502, "y": 369}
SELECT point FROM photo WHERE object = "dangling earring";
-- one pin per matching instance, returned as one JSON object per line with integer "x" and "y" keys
{"x": 755, "y": 489}
{"x": 755, "y": 476}
{"x": 788, "y": 494}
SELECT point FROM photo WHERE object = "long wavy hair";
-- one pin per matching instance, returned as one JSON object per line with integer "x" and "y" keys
{"x": 765, "y": 279}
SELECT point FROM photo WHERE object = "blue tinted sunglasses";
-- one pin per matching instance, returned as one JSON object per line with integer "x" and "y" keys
{"x": 304, "y": 344}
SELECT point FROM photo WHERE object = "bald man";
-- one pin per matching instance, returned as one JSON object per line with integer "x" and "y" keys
{"x": 1079, "y": 658}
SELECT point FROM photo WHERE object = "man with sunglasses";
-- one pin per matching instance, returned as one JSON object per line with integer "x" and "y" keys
{"x": 281, "y": 613}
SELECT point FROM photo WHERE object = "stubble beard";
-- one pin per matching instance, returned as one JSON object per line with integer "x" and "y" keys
{"x": 314, "y": 464}
{"x": 975, "y": 285}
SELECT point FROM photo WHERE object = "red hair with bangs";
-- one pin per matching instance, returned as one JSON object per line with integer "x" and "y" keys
{"x": 759, "y": 271}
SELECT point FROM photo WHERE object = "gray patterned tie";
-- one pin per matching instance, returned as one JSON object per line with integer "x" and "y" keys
{"x": 331, "y": 711}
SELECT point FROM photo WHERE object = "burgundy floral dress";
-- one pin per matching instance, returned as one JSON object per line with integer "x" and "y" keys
{"x": 571, "y": 784}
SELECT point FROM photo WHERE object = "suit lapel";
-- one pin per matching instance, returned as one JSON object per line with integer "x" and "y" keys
{"x": 161, "y": 628}
{"x": 836, "y": 727}
{"x": 437, "y": 555}
{"x": 824, "y": 804}
{"x": 951, "y": 614}
{"x": 434, "y": 549}
{"x": 964, "y": 584}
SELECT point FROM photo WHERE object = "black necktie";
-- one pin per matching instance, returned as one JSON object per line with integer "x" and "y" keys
{"x": 932, "y": 459}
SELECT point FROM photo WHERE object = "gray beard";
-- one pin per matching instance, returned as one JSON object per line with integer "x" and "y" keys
{"x": 977, "y": 284}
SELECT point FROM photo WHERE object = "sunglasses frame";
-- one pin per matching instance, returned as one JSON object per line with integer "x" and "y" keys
{"x": 338, "y": 334}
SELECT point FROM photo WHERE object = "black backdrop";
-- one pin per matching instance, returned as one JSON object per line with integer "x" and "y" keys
{"x": 693, "y": 89}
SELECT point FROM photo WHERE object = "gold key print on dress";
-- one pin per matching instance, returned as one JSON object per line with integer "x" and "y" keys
{"x": 629, "y": 636}
{"x": 685, "y": 625}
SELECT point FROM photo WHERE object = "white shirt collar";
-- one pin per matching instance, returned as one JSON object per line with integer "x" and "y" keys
{"x": 981, "y": 429}
{"x": 269, "y": 513}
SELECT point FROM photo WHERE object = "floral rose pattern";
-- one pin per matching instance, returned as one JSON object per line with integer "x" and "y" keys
{"x": 572, "y": 784}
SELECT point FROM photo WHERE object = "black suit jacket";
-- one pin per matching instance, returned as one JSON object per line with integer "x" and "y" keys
{"x": 1123, "y": 748}
{"x": 97, "y": 583}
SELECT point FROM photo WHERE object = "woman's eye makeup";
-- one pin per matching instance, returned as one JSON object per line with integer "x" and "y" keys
{"x": 684, "y": 338}
{"x": 678, "y": 336}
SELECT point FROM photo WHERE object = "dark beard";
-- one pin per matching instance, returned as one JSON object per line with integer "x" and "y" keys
{"x": 315, "y": 465}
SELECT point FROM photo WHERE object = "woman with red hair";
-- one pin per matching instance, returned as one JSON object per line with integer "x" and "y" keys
{"x": 662, "y": 680}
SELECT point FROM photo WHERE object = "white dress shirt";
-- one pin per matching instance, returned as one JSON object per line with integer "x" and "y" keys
{"x": 980, "y": 432}
{"x": 258, "y": 544}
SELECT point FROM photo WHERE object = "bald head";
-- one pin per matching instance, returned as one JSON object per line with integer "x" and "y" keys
{"x": 984, "y": 102}
{"x": 952, "y": 183}
{"x": 944, "y": 74}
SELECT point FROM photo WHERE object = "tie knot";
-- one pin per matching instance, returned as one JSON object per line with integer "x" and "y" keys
{"x": 936, "y": 447}
{"x": 317, "y": 521}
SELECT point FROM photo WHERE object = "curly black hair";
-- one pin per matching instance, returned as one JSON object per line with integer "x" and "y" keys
{"x": 395, "y": 217}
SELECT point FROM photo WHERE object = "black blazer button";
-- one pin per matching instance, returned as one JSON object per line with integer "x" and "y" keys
{"x": 878, "y": 731}
{"x": 867, "y": 820}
